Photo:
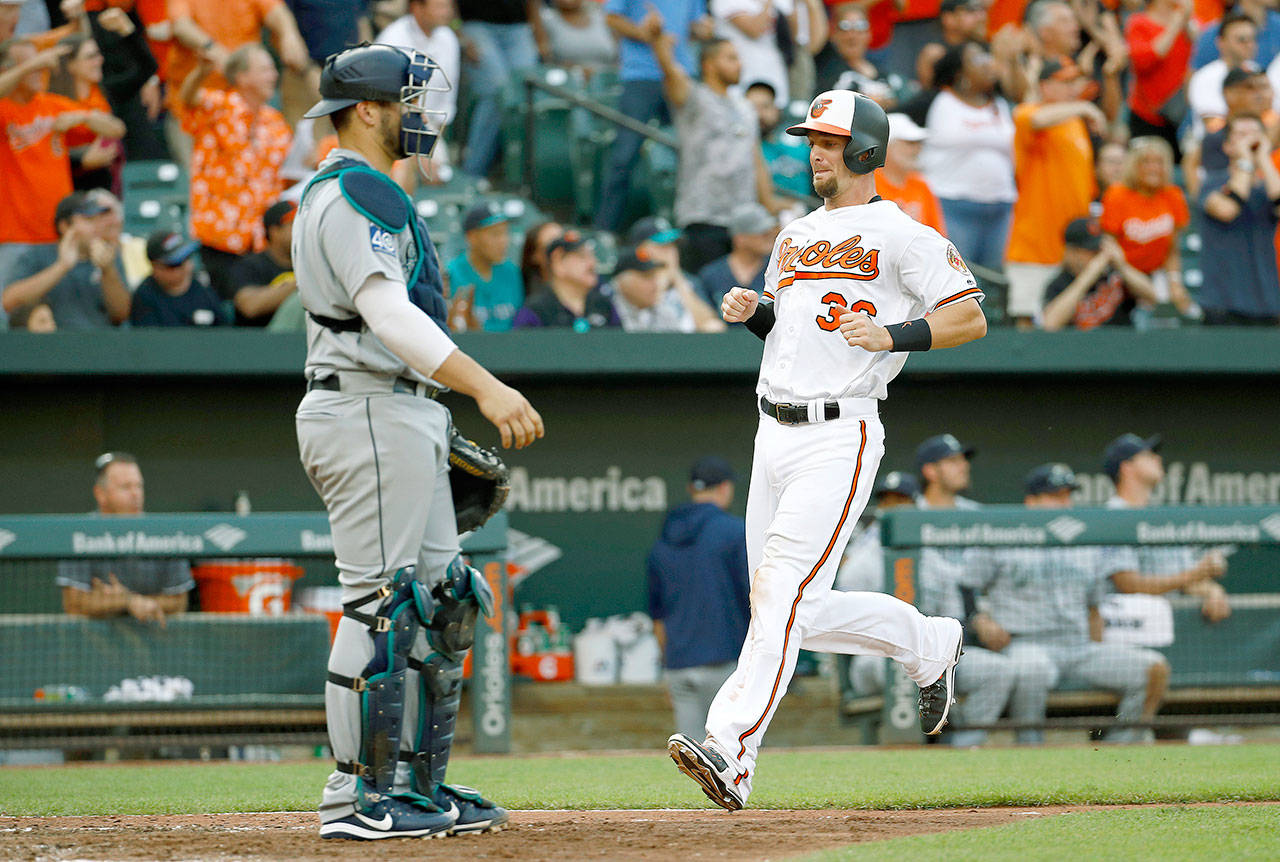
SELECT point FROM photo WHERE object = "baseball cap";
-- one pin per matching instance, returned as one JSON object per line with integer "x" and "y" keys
{"x": 953, "y": 5}
{"x": 570, "y": 240}
{"x": 1057, "y": 70}
{"x": 483, "y": 215}
{"x": 903, "y": 128}
{"x": 939, "y": 447}
{"x": 280, "y": 212}
{"x": 1125, "y": 447}
{"x": 1048, "y": 478}
{"x": 750, "y": 218}
{"x": 897, "y": 482}
{"x": 79, "y": 204}
{"x": 636, "y": 260}
{"x": 652, "y": 229}
{"x": 1245, "y": 72}
{"x": 830, "y": 112}
{"x": 170, "y": 248}
{"x": 710, "y": 470}
{"x": 1084, "y": 233}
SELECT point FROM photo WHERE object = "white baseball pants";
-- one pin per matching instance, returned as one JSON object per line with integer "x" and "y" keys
{"x": 809, "y": 484}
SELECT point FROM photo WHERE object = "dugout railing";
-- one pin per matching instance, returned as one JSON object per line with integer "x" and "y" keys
{"x": 1223, "y": 673}
{"x": 203, "y": 679}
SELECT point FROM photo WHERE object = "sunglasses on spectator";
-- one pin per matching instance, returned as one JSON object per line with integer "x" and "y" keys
{"x": 858, "y": 26}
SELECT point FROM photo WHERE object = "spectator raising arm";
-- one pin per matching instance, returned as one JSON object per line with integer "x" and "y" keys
{"x": 1225, "y": 204}
{"x": 293, "y": 50}
{"x": 675, "y": 81}
{"x": 46, "y": 59}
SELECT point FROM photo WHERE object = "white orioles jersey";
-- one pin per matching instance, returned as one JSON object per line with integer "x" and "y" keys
{"x": 871, "y": 258}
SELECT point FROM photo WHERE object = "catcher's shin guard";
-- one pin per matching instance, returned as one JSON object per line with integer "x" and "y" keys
{"x": 405, "y": 608}
{"x": 459, "y": 598}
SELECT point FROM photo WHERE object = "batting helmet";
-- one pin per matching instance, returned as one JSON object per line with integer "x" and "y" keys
{"x": 852, "y": 115}
{"x": 382, "y": 73}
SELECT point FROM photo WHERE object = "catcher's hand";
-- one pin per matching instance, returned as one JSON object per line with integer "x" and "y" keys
{"x": 480, "y": 482}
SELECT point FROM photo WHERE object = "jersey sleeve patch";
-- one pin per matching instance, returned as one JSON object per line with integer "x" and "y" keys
{"x": 957, "y": 263}
{"x": 381, "y": 241}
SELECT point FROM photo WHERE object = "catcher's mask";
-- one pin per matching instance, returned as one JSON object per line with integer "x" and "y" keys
{"x": 382, "y": 73}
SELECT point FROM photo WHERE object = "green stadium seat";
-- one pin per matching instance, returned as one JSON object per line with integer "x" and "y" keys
{"x": 156, "y": 179}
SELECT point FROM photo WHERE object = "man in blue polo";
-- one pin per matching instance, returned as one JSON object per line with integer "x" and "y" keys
{"x": 485, "y": 287}
{"x": 698, "y": 587}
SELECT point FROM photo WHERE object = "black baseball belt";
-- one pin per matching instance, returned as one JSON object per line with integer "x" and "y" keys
{"x": 796, "y": 414}
{"x": 401, "y": 385}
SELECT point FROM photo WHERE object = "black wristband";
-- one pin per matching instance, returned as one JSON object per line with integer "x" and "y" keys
{"x": 1234, "y": 195}
{"x": 910, "y": 335}
{"x": 761, "y": 322}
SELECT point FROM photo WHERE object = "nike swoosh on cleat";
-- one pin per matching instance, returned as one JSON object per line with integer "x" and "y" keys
{"x": 453, "y": 811}
{"x": 384, "y": 823}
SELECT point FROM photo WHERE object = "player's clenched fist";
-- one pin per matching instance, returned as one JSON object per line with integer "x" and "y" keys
{"x": 739, "y": 304}
{"x": 859, "y": 331}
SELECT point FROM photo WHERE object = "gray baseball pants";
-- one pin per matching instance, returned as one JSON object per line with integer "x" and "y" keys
{"x": 380, "y": 462}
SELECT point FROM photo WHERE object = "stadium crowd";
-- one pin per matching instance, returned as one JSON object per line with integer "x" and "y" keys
{"x": 1073, "y": 151}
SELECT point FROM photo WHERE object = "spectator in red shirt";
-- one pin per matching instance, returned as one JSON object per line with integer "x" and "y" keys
{"x": 1160, "y": 41}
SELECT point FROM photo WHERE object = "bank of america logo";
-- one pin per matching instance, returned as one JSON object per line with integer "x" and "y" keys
{"x": 1270, "y": 525}
{"x": 7, "y": 538}
{"x": 1066, "y": 528}
{"x": 225, "y": 536}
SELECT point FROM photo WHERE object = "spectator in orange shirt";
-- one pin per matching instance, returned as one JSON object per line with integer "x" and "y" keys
{"x": 213, "y": 30}
{"x": 239, "y": 143}
{"x": 95, "y": 160}
{"x": 1145, "y": 212}
{"x": 1160, "y": 40}
{"x": 900, "y": 180}
{"x": 1053, "y": 166}
{"x": 34, "y": 164}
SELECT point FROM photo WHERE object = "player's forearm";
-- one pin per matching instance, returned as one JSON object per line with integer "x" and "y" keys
{"x": 957, "y": 324}
{"x": 1152, "y": 585}
{"x": 96, "y": 604}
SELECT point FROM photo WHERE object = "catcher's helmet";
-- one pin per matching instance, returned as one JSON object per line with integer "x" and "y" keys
{"x": 382, "y": 73}
{"x": 844, "y": 112}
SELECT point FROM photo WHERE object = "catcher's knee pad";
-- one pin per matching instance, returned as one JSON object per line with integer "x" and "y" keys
{"x": 460, "y": 597}
{"x": 404, "y": 608}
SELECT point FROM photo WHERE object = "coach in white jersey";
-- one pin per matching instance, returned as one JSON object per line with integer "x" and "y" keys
{"x": 849, "y": 289}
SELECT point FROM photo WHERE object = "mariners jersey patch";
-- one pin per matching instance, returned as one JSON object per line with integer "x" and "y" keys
{"x": 381, "y": 240}
{"x": 953, "y": 258}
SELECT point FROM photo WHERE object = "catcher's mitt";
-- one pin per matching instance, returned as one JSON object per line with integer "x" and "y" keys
{"x": 479, "y": 480}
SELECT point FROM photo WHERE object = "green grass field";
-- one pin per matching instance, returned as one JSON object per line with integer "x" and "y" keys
{"x": 920, "y": 778}
{"x": 868, "y": 779}
{"x": 1163, "y": 834}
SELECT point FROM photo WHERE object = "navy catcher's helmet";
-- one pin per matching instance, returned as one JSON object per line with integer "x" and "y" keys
{"x": 382, "y": 73}
{"x": 853, "y": 115}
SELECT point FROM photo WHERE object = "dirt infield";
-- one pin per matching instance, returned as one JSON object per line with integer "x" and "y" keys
{"x": 556, "y": 836}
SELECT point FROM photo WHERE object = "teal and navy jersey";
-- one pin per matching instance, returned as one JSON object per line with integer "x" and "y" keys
{"x": 496, "y": 301}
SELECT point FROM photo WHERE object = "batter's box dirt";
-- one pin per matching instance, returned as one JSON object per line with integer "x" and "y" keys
{"x": 561, "y": 836}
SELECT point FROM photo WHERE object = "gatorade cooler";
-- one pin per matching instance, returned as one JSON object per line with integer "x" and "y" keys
{"x": 257, "y": 587}
{"x": 323, "y": 600}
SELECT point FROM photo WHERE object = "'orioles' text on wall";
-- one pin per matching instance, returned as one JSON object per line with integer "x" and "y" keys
{"x": 611, "y": 492}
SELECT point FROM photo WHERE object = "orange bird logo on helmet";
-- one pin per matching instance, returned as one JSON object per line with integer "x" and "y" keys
{"x": 819, "y": 107}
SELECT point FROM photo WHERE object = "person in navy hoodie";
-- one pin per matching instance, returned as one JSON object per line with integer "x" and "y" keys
{"x": 698, "y": 588}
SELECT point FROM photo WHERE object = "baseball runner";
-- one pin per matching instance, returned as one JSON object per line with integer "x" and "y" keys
{"x": 849, "y": 289}
{"x": 376, "y": 445}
